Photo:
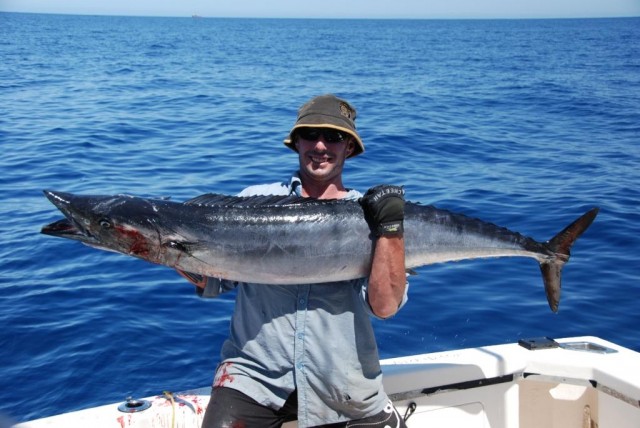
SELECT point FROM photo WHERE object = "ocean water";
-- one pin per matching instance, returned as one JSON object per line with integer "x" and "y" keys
{"x": 525, "y": 123}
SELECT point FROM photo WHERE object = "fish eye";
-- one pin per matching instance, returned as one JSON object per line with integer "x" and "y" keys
{"x": 104, "y": 223}
{"x": 177, "y": 246}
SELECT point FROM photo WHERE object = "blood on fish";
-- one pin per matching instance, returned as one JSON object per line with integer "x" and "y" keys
{"x": 139, "y": 245}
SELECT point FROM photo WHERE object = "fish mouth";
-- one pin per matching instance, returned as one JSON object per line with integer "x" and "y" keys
{"x": 68, "y": 227}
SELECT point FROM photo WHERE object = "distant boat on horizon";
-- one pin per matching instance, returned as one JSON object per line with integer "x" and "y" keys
{"x": 196, "y": 16}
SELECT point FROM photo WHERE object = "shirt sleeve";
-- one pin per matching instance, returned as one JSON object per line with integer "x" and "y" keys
{"x": 266, "y": 189}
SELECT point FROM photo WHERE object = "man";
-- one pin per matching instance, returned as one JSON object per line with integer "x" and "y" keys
{"x": 308, "y": 351}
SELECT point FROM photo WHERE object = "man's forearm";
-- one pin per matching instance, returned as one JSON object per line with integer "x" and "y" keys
{"x": 387, "y": 280}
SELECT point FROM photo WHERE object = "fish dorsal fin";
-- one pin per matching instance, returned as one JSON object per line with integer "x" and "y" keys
{"x": 217, "y": 200}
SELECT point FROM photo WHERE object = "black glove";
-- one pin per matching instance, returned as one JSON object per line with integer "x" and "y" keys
{"x": 384, "y": 209}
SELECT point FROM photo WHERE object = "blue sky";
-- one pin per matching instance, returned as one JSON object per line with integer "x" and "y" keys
{"x": 336, "y": 8}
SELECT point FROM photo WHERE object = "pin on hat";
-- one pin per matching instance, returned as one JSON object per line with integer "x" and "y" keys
{"x": 327, "y": 111}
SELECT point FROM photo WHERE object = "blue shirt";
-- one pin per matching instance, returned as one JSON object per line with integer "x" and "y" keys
{"x": 316, "y": 338}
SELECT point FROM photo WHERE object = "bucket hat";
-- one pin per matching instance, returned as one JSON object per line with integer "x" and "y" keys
{"x": 327, "y": 111}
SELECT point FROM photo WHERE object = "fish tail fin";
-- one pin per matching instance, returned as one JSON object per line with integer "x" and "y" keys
{"x": 560, "y": 245}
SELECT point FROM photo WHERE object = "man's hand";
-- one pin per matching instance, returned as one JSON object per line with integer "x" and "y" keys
{"x": 384, "y": 209}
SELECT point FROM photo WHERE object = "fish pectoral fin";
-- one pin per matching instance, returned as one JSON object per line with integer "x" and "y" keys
{"x": 195, "y": 278}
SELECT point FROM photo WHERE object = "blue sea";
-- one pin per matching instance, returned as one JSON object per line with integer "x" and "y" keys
{"x": 524, "y": 123}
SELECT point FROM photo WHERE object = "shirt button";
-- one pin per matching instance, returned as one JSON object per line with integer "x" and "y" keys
{"x": 301, "y": 301}
{"x": 300, "y": 335}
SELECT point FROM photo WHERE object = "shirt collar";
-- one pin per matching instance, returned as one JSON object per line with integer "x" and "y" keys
{"x": 295, "y": 185}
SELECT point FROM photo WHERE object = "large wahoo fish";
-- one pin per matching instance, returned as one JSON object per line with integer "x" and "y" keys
{"x": 290, "y": 240}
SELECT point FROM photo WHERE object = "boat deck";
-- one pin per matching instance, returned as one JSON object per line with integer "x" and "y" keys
{"x": 582, "y": 382}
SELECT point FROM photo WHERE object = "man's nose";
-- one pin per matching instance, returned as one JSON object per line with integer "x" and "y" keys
{"x": 320, "y": 144}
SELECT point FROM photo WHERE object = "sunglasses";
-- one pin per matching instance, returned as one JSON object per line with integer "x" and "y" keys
{"x": 330, "y": 135}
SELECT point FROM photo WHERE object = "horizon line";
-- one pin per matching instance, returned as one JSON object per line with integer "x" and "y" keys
{"x": 399, "y": 18}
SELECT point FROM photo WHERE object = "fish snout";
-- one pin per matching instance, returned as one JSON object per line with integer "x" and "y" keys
{"x": 61, "y": 200}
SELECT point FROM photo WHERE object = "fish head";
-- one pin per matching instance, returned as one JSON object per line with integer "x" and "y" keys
{"x": 119, "y": 223}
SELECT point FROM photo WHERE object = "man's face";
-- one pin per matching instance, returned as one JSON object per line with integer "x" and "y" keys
{"x": 322, "y": 152}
